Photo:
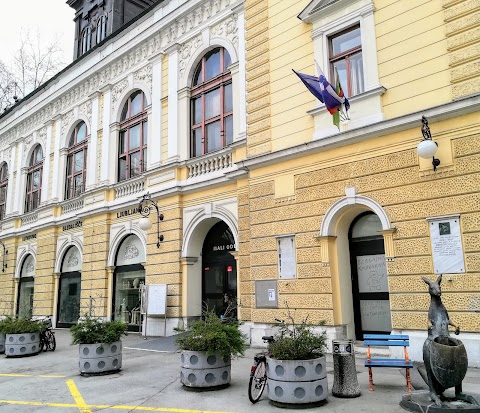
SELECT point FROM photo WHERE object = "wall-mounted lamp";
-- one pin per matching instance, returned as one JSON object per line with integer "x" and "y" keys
{"x": 427, "y": 148}
{"x": 146, "y": 205}
{"x": 5, "y": 252}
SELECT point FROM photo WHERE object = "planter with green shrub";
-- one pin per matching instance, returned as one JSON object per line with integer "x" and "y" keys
{"x": 22, "y": 336}
{"x": 207, "y": 350}
{"x": 100, "y": 347}
{"x": 296, "y": 365}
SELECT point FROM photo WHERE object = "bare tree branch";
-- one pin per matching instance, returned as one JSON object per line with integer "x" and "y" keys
{"x": 32, "y": 65}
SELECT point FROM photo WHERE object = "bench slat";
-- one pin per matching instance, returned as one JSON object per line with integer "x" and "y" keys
{"x": 385, "y": 336}
{"x": 388, "y": 363}
{"x": 385, "y": 343}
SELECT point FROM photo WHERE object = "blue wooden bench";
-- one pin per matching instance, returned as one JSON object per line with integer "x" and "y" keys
{"x": 387, "y": 340}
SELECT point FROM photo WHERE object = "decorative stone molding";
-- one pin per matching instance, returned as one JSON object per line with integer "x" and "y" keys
{"x": 66, "y": 119}
{"x": 227, "y": 28}
{"x": 64, "y": 243}
{"x": 145, "y": 75}
{"x": 86, "y": 109}
{"x": 117, "y": 91}
{"x": 118, "y": 234}
{"x": 186, "y": 51}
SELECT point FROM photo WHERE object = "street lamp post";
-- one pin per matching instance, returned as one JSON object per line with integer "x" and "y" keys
{"x": 427, "y": 148}
{"x": 145, "y": 207}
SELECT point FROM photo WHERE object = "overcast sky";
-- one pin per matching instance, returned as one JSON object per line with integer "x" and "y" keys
{"x": 50, "y": 17}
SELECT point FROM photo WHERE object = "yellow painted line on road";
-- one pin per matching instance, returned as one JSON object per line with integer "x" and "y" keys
{"x": 107, "y": 406}
{"x": 82, "y": 406}
{"x": 45, "y": 376}
{"x": 45, "y": 404}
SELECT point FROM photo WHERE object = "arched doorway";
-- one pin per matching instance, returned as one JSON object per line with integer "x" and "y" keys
{"x": 69, "y": 288}
{"x": 128, "y": 279}
{"x": 219, "y": 270}
{"x": 369, "y": 276}
{"x": 26, "y": 288}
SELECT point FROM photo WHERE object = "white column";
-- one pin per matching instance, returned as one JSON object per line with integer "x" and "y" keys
{"x": 173, "y": 103}
{"x": 46, "y": 166}
{"x": 183, "y": 130}
{"x": 154, "y": 147}
{"x": 92, "y": 150}
{"x": 106, "y": 156}
{"x": 11, "y": 167}
{"x": 237, "y": 101}
{"x": 18, "y": 188}
{"x": 242, "y": 82}
{"x": 56, "y": 158}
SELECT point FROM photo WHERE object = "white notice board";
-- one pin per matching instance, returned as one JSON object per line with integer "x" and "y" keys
{"x": 157, "y": 299}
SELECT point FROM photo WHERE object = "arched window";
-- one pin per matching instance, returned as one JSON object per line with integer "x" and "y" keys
{"x": 211, "y": 104}
{"x": 86, "y": 39}
{"x": 3, "y": 189}
{"x": 34, "y": 180}
{"x": 76, "y": 162}
{"x": 132, "y": 142}
{"x": 101, "y": 29}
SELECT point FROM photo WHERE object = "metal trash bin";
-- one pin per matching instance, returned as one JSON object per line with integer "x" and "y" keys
{"x": 345, "y": 382}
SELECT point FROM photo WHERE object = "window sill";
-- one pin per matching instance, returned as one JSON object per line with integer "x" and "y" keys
{"x": 377, "y": 91}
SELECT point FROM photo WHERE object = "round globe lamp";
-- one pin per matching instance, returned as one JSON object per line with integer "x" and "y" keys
{"x": 145, "y": 223}
{"x": 426, "y": 149}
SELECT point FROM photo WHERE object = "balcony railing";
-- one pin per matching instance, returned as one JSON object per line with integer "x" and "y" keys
{"x": 129, "y": 187}
{"x": 29, "y": 218}
{"x": 208, "y": 164}
{"x": 72, "y": 205}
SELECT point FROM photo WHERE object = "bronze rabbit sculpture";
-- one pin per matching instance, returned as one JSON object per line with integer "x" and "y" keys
{"x": 445, "y": 358}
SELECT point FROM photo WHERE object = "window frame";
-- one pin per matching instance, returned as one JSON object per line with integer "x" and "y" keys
{"x": 3, "y": 188}
{"x": 86, "y": 40}
{"x": 220, "y": 81}
{"x": 346, "y": 55}
{"x": 101, "y": 29}
{"x": 73, "y": 149}
{"x": 126, "y": 125}
{"x": 32, "y": 168}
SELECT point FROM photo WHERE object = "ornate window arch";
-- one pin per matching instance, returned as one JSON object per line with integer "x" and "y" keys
{"x": 3, "y": 189}
{"x": 211, "y": 104}
{"x": 132, "y": 140}
{"x": 86, "y": 40}
{"x": 34, "y": 179}
{"x": 101, "y": 31}
{"x": 76, "y": 161}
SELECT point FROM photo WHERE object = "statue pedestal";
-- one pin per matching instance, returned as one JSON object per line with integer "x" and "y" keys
{"x": 419, "y": 401}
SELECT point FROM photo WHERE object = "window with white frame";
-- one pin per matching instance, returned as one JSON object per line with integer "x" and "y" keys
{"x": 287, "y": 263}
{"x": 345, "y": 57}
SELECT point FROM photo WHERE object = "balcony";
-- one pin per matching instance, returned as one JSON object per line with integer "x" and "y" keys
{"x": 130, "y": 187}
{"x": 29, "y": 218}
{"x": 72, "y": 205}
{"x": 209, "y": 163}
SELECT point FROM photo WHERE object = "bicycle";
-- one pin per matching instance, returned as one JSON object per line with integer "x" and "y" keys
{"x": 47, "y": 335}
{"x": 258, "y": 372}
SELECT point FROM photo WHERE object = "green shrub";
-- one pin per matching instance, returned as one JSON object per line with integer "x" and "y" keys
{"x": 19, "y": 325}
{"x": 92, "y": 331}
{"x": 213, "y": 335}
{"x": 298, "y": 342}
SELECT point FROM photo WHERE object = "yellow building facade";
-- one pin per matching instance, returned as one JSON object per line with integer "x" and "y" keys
{"x": 265, "y": 203}
{"x": 360, "y": 206}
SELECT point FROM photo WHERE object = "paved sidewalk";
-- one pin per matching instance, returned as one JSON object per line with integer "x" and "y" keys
{"x": 149, "y": 381}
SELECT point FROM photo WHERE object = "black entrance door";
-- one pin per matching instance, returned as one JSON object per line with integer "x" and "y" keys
{"x": 371, "y": 303}
{"x": 219, "y": 272}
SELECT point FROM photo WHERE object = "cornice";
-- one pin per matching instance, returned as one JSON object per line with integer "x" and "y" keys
{"x": 411, "y": 120}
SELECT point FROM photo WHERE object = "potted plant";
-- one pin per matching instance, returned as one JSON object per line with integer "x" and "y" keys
{"x": 207, "y": 350}
{"x": 296, "y": 365}
{"x": 2, "y": 334}
{"x": 22, "y": 336}
{"x": 100, "y": 347}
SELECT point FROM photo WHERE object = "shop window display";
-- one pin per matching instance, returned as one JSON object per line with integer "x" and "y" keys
{"x": 127, "y": 296}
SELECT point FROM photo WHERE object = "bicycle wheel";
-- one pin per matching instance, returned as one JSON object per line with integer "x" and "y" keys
{"x": 43, "y": 343}
{"x": 257, "y": 382}
{"x": 51, "y": 342}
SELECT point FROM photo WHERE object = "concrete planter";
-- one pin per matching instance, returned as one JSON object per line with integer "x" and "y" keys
{"x": 18, "y": 345}
{"x": 2, "y": 343}
{"x": 100, "y": 358}
{"x": 297, "y": 381}
{"x": 198, "y": 369}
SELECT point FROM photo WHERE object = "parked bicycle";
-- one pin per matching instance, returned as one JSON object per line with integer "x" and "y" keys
{"x": 47, "y": 335}
{"x": 258, "y": 372}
